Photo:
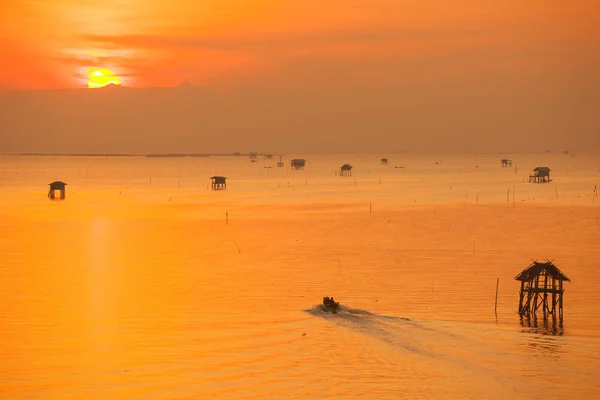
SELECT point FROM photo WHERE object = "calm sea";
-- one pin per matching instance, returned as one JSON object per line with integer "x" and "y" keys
{"x": 146, "y": 284}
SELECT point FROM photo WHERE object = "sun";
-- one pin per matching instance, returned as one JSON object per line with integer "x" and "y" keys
{"x": 100, "y": 77}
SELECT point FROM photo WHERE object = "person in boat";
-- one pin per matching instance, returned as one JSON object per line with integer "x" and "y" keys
{"x": 329, "y": 302}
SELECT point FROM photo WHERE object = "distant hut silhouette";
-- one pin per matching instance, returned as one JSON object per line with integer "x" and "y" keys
{"x": 298, "y": 163}
{"x": 57, "y": 186}
{"x": 384, "y": 161}
{"x": 346, "y": 170}
{"x": 280, "y": 163}
{"x": 219, "y": 182}
{"x": 253, "y": 156}
{"x": 506, "y": 163}
{"x": 538, "y": 282}
{"x": 268, "y": 156}
{"x": 540, "y": 175}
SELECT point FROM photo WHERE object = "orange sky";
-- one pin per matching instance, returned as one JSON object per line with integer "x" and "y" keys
{"x": 51, "y": 43}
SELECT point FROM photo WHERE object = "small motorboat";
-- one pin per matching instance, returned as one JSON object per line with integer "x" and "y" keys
{"x": 330, "y": 306}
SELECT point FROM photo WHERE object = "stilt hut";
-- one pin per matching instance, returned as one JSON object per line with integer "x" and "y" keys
{"x": 541, "y": 287}
{"x": 506, "y": 163}
{"x": 253, "y": 156}
{"x": 59, "y": 187}
{"x": 384, "y": 161}
{"x": 346, "y": 170}
{"x": 268, "y": 156}
{"x": 280, "y": 163}
{"x": 540, "y": 175}
{"x": 298, "y": 163}
{"x": 219, "y": 182}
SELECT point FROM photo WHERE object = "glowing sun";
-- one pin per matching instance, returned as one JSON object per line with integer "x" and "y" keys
{"x": 100, "y": 77}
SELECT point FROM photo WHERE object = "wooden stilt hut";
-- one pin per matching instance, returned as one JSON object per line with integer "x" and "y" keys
{"x": 298, "y": 163}
{"x": 219, "y": 182}
{"x": 346, "y": 170}
{"x": 57, "y": 186}
{"x": 541, "y": 287}
{"x": 540, "y": 175}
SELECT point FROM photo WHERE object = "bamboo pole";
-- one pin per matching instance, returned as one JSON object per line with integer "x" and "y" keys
{"x": 496, "y": 302}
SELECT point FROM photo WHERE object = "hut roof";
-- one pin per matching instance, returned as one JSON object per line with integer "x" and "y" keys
{"x": 505, "y": 159}
{"x": 57, "y": 184}
{"x": 537, "y": 268}
{"x": 298, "y": 161}
{"x": 384, "y": 159}
{"x": 218, "y": 177}
{"x": 542, "y": 169}
{"x": 346, "y": 167}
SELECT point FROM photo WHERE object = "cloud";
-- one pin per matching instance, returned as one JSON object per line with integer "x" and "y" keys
{"x": 278, "y": 40}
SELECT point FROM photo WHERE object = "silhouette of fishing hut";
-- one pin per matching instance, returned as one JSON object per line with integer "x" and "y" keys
{"x": 506, "y": 163}
{"x": 280, "y": 163}
{"x": 59, "y": 187}
{"x": 346, "y": 170}
{"x": 541, "y": 287}
{"x": 298, "y": 163}
{"x": 384, "y": 161}
{"x": 219, "y": 182}
{"x": 540, "y": 175}
{"x": 268, "y": 156}
{"x": 253, "y": 156}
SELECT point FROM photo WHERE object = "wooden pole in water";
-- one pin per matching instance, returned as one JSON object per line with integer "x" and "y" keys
{"x": 508, "y": 196}
{"x": 496, "y": 303}
{"x": 370, "y": 208}
{"x": 226, "y": 218}
{"x": 513, "y": 193}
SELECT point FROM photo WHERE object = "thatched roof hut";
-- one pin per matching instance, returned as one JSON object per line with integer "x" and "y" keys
{"x": 57, "y": 186}
{"x": 298, "y": 163}
{"x": 219, "y": 182}
{"x": 540, "y": 175}
{"x": 541, "y": 287}
{"x": 346, "y": 170}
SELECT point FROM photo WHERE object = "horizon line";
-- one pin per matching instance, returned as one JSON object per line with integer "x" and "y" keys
{"x": 240, "y": 154}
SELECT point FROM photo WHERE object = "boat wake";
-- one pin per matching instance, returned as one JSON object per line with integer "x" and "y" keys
{"x": 399, "y": 332}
